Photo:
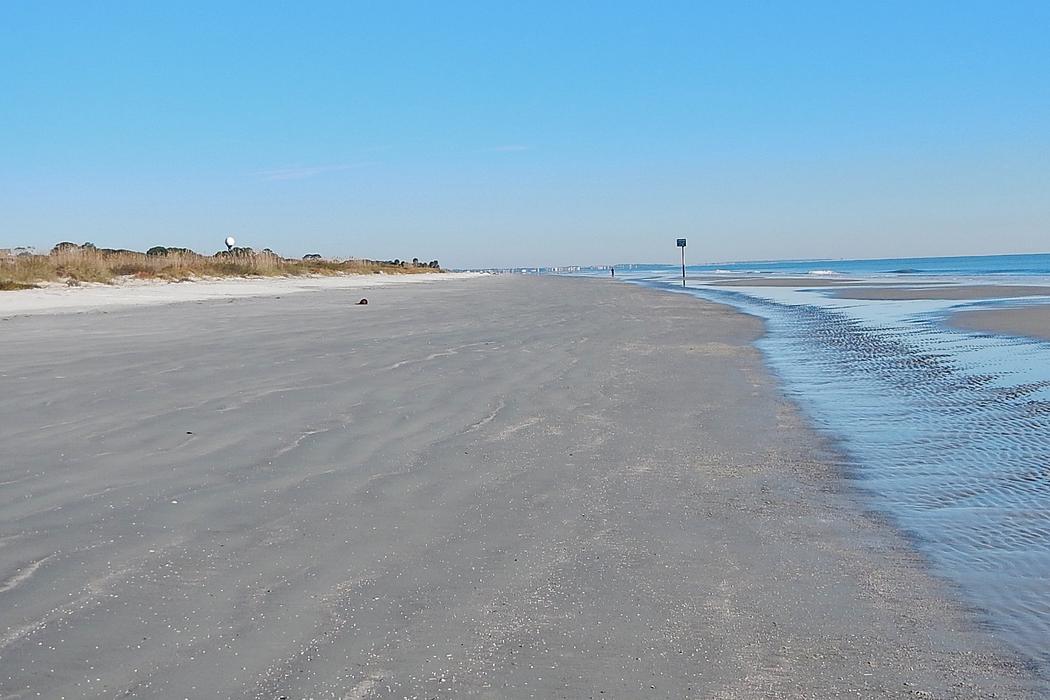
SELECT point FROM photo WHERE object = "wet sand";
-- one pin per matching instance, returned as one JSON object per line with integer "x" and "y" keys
{"x": 1026, "y": 321}
{"x": 499, "y": 487}
{"x": 961, "y": 292}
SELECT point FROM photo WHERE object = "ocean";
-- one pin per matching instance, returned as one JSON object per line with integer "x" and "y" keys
{"x": 964, "y": 267}
{"x": 945, "y": 432}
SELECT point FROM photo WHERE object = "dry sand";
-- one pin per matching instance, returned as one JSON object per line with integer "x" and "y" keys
{"x": 1027, "y": 321}
{"x": 961, "y": 292}
{"x": 501, "y": 487}
{"x": 60, "y": 298}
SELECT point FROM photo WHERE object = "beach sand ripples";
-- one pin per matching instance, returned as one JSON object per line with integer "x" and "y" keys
{"x": 945, "y": 431}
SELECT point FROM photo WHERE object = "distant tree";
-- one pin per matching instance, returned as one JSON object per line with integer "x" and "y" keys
{"x": 396, "y": 262}
{"x": 236, "y": 253}
{"x": 312, "y": 256}
{"x": 65, "y": 247}
{"x": 157, "y": 250}
{"x": 415, "y": 262}
{"x": 87, "y": 246}
{"x": 434, "y": 264}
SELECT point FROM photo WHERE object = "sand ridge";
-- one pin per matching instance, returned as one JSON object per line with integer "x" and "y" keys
{"x": 1032, "y": 321}
{"x": 962, "y": 292}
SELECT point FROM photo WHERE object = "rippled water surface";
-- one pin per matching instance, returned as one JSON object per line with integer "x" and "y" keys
{"x": 947, "y": 431}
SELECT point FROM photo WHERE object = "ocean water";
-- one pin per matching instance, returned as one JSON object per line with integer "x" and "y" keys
{"x": 904, "y": 269}
{"x": 946, "y": 432}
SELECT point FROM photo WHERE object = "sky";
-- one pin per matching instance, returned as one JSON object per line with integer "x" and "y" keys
{"x": 498, "y": 134}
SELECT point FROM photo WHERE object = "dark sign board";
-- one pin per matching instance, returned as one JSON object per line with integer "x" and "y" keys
{"x": 681, "y": 243}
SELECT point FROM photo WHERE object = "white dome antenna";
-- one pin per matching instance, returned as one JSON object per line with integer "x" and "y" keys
{"x": 230, "y": 242}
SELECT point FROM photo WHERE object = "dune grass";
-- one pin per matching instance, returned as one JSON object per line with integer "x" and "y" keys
{"x": 74, "y": 265}
{"x": 10, "y": 286}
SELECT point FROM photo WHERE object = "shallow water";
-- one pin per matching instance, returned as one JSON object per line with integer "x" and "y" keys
{"x": 946, "y": 431}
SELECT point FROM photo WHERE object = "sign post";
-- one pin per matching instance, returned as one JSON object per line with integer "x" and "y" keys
{"x": 681, "y": 244}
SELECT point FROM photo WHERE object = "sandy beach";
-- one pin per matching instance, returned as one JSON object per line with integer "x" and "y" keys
{"x": 494, "y": 487}
{"x": 1026, "y": 321}
{"x": 60, "y": 298}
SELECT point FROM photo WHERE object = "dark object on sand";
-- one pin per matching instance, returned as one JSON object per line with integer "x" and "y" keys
{"x": 362, "y": 302}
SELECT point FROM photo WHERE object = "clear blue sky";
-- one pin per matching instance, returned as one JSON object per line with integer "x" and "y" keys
{"x": 535, "y": 133}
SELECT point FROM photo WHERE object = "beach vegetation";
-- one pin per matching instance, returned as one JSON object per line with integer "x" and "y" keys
{"x": 11, "y": 286}
{"x": 74, "y": 264}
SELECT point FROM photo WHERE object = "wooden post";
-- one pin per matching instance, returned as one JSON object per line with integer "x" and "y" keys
{"x": 681, "y": 244}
